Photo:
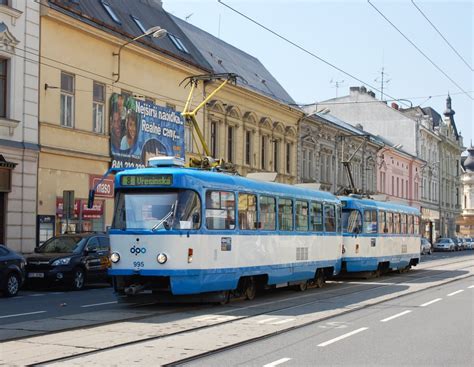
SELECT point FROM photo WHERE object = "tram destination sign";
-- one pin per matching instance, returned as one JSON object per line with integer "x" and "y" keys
{"x": 146, "y": 180}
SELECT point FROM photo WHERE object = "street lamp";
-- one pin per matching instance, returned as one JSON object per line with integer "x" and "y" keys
{"x": 156, "y": 32}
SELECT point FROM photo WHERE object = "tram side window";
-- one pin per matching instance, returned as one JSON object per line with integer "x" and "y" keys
{"x": 417, "y": 224}
{"x": 220, "y": 210}
{"x": 267, "y": 213}
{"x": 403, "y": 221}
{"x": 285, "y": 214}
{"x": 188, "y": 213}
{"x": 370, "y": 221}
{"x": 389, "y": 222}
{"x": 338, "y": 219}
{"x": 396, "y": 223}
{"x": 329, "y": 218}
{"x": 351, "y": 221}
{"x": 410, "y": 224}
{"x": 302, "y": 215}
{"x": 382, "y": 224}
{"x": 316, "y": 214}
{"x": 247, "y": 211}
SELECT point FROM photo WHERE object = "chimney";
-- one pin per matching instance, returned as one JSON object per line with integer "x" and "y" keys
{"x": 370, "y": 93}
{"x": 395, "y": 106}
{"x": 354, "y": 90}
{"x": 363, "y": 89}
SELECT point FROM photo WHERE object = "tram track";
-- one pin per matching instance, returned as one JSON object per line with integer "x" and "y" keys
{"x": 323, "y": 296}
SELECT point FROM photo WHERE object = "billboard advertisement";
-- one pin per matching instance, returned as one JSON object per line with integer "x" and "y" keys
{"x": 140, "y": 130}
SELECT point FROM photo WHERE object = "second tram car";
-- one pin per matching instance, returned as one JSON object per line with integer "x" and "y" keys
{"x": 185, "y": 231}
{"x": 379, "y": 236}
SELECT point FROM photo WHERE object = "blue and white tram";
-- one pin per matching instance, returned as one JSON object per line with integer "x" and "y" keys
{"x": 379, "y": 236}
{"x": 184, "y": 231}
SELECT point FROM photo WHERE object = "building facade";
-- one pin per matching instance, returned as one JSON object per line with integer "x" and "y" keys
{"x": 19, "y": 52}
{"x": 465, "y": 222}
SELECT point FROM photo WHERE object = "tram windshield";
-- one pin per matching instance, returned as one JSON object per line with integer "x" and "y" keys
{"x": 351, "y": 221}
{"x": 157, "y": 210}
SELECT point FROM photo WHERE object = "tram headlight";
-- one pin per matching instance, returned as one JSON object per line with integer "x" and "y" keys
{"x": 115, "y": 257}
{"x": 161, "y": 258}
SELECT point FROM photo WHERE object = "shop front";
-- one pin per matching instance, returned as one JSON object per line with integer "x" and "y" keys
{"x": 430, "y": 225}
{"x": 82, "y": 218}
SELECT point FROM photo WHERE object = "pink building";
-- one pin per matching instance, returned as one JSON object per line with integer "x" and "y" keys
{"x": 399, "y": 176}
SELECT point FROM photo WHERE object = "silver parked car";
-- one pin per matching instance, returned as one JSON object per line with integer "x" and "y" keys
{"x": 444, "y": 244}
{"x": 425, "y": 247}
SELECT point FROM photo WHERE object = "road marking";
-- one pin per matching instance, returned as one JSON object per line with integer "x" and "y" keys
{"x": 57, "y": 292}
{"x": 100, "y": 304}
{"x": 22, "y": 314}
{"x": 276, "y": 363}
{"x": 430, "y": 302}
{"x": 342, "y": 337}
{"x": 216, "y": 318}
{"x": 452, "y": 294}
{"x": 267, "y": 320}
{"x": 36, "y": 295}
{"x": 282, "y": 321}
{"x": 471, "y": 286}
{"x": 395, "y": 316}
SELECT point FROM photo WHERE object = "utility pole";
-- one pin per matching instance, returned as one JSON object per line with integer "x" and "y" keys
{"x": 382, "y": 81}
{"x": 337, "y": 84}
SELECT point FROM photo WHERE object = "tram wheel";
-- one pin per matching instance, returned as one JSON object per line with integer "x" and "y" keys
{"x": 250, "y": 289}
{"x": 226, "y": 298}
{"x": 303, "y": 286}
{"x": 319, "y": 279}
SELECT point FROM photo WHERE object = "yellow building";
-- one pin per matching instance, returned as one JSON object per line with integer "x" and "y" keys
{"x": 88, "y": 54}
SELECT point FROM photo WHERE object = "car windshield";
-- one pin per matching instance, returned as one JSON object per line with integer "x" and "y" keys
{"x": 444, "y": 240}
{"x": 63, "y": 244}
{"x": 157, "y": 210}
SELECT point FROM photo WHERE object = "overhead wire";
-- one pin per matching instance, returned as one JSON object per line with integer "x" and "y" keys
{"x": 301, "y": 48}
{"x": 420, "y": 51}
{"x": 444, "y": 38}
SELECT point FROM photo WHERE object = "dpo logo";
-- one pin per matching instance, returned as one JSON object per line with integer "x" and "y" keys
{"x": 137, "y": 250}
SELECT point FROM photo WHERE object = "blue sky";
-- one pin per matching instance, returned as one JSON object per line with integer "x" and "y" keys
{"x": 351, "y": 35}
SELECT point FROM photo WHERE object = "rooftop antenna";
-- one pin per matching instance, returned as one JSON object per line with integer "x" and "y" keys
{"x": 382, "y": 80}
{"x": 337, "y": 84}
{"x": 188, "y": 16}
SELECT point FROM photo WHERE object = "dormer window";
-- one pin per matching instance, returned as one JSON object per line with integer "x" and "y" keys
{"x": 111, "y": 12}
{"x": 178, "y": 43}
{"x": 139, "y": 24}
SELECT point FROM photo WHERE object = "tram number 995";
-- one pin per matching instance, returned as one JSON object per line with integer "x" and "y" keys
{"x": 138, "y": 264}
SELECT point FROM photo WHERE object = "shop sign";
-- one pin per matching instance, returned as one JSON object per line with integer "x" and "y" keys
{"x": 140, "y": 130}
{"x": 103, "y": 189}
{"x": 93, "y": 213}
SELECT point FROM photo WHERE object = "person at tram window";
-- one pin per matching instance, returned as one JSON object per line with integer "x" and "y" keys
{"x": 130, "y": 137}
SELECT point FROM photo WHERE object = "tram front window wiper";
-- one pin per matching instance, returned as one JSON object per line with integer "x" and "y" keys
{"x": 164, "y": 220}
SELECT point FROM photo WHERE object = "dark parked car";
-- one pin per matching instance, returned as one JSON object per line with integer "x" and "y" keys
{"x": 12, "y": 271}
{"x": 70, "y": 259}
{"x": 458, "y": 243}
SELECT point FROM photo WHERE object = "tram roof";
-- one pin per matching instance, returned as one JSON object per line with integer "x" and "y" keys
{"x": 212, "y": 179}
{"x": 359, "y": 203}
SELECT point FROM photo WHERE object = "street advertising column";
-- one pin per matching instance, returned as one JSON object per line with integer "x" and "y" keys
{"x": 140, "y": 130}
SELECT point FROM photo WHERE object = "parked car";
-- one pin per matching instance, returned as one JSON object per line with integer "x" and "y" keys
{"x": 469, "y": 243}
{"x": 425, "y": 247}
{"x": 12, "y": 271}
{"x": 459, "y": 243}
{"x": 70, "y": 259}
{"x": 444, "y": 244}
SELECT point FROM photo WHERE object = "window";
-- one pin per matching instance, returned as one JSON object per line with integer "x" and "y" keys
{"x": 264, "y": 148}
{"x": 403, "y": 223}
{"x": 406, "y": 189}
{"x": 351, "y": 221}
{"x": 410, "y": 224}
{"x": 416, "y": 225}
{"x": 111, "y": 12}
{"x": 329, "y": 218}
{"x": 396, "y": 223}
{"x": 230, "y": 144}
{"x": 302, "y": 215}
{"x": 178, "y": 43}
{"x": 275, "y": 156}
{"x": 247, "y": 211}
{"x": 288, "y": 158}
{"x": 370, "y": 221}
{"x": 214, "y": 139}
{"x": 267, "y": 213}
{"x": 67, "y": 100}
{"x": 393, "y": 186}
{"x": 220, "y": 210}
{"x": 139, "y": 24}
{"x": 316, "y": 214}
{"x": 338, "y": 219}
{"x": 248, "y": 146}
{"x": 389, "y": 221}
{"x": 285, "y": 214}
{"x": 98, "y": 108}
{"x": 382, "y": 225}
{"x": 3, "y": 87}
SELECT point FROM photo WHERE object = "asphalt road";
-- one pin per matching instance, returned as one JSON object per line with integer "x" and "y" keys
{"x": 434, "y": 327}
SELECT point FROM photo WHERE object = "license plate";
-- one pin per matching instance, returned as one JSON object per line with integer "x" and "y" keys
{"x": 35, "y": 275}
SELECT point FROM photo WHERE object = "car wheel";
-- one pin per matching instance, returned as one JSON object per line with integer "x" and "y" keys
{"x": 12, "y": 285}
{"x": 78, "y": 279}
